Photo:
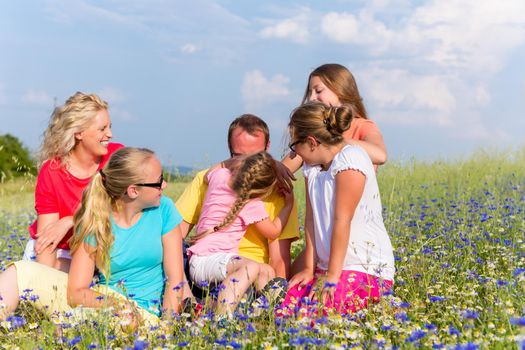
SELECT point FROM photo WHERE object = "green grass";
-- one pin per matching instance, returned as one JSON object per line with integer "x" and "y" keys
{"x": 458, "y": 230}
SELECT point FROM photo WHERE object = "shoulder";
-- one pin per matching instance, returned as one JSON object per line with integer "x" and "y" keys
{"x": 50, "y": 168}
{"x": 352, "y": 157}
{"x": 219, "y": 174}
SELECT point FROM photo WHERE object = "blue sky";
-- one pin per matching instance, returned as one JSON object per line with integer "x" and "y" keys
{"x": 440, "y": 78}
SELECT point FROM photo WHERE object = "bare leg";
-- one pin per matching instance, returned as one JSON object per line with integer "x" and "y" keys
{"x": 62, "y": 264}
{"x": 48, "y": 257}
{"x": 266, "y": 273}
{"x": 241, "y": 274}
{"x": 8, "y": 292}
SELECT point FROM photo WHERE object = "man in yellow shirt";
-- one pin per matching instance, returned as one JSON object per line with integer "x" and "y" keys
{"x": 247, "y": 134}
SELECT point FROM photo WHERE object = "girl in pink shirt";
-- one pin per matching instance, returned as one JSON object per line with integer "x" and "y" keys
{"x": 232, "y": 203}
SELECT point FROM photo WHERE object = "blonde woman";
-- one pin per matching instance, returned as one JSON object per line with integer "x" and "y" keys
{"x": 127, "y": 229}
{"x": 232, "y": 203}
{"x": 75, "y": 146}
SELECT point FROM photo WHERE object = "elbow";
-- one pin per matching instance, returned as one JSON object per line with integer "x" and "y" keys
{"x": 381, "y": 158}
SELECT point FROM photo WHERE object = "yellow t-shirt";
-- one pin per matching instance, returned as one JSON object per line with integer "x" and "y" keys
{"x": 253, "y": 245}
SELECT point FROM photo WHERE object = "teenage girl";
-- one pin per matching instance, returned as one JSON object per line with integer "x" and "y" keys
{"x": 334, "y": 85}
{"x": 348, "y": 259}
{"x": 127, "y": 229}
{"x": 232, "y": 203}
{"x": 75, "y": 146}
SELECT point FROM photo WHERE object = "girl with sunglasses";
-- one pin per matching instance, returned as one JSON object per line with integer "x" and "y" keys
{"x": 232, "y": 203}
{"x": 126, "y": 229}
{"x": 75, "y": 146}
{"x": 349, "y": 259}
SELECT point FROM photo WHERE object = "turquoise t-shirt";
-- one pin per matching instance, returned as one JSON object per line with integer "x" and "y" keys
{"x": 136, "y": 256}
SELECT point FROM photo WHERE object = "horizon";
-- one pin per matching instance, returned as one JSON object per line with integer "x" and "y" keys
{"x": 441, "y": 80}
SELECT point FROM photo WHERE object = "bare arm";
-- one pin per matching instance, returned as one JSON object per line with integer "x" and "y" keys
{"x": 292, "y": 161}
{"x": 307, "y": 273}
{"x": 50, "y": 230}
{"x": 271, "y": 229}
{"x": 374, "y": 145}
{"x": 349, "y": 187}
{"x": 79, "y": 280}
{"x": 173, "y": 268}
{"x": 280, "y": 259}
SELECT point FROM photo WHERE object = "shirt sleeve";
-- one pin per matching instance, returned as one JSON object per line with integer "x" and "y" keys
{"x": 170, "y": 215}
{"x": 253, "y": 211}
{"x": 354, "y": 158}
{"x": 273, "y": 204}
{"x": 190, "y": 201}
{"x": 46, "y": 201}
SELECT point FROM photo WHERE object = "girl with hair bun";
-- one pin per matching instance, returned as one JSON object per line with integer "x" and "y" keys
{"x": 334, "y": 85}
{"x": 349, "y": 260}
{"x": 232, "y": 203}
{"x": 127, "y": 230}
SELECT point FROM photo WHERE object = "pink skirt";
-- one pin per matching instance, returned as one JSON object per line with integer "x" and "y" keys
{"x": 353, "y": 292}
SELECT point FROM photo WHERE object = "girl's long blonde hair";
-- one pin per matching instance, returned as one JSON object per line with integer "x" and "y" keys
{"x": 66, "y": 121}
{"x": 92, "y": 224}
{"x": 255, "y": 177}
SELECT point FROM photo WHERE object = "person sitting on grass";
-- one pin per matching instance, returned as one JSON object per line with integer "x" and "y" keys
{"x": 232, "y": 203}
{"x": 127, "y": 229}
{"x": 247, "y": 134}
{"x": 75, "y": 146}
{"x": 349, "y": 258}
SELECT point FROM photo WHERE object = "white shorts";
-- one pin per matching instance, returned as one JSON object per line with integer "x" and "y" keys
{"x": 30, "y": 254}
{"x": 210, "y": 268}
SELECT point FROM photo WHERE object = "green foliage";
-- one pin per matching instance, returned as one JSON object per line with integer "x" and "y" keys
{"x": 15, "y": 159}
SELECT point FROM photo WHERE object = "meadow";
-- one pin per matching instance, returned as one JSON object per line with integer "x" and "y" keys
{"x": 458, "y": 232}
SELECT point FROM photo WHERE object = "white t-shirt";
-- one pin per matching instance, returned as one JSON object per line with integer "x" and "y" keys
{"x": 369, "y": 248}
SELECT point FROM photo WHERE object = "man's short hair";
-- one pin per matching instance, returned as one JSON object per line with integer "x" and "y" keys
{"x": 251, "y": 124}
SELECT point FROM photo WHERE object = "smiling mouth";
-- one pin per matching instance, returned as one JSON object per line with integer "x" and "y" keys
{"x": 104, "y": 143}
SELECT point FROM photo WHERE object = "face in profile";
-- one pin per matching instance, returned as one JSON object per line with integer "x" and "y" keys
{"x": 319, "y": 92}
{"x": 95, "y": 138}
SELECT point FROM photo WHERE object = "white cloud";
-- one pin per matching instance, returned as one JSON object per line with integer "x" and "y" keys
{"x": 189, "y": 48}
{"x": 122, "y": 115}
{"x": 256, "y": 89}
{"x": 399, "y": 89}
{"x": 294, "y": 29}
{"x": 363, "y": 30}
{"x": 111, "y": 95}
{"x": 37, "y": 97}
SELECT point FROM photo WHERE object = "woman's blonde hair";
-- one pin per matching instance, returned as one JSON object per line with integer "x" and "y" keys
{"x": 325, "y": 123}
{"x": 342, "y": 83}
{"x": 73, "y": 117}
{"x": 255, "y": 177}
{"x": 92, "y": 223}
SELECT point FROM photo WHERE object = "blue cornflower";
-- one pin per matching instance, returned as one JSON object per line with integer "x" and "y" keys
{"x": 402, "y": 316}
{"x": 234, "y": 280}
{"x": 436, "y": 298}
{"x": 518, "y": 321}
{"x": 140, "y": 345}
{"x": 75, "y": 341}
{"x": 250, "y": 328}
{"x": 16, "y": 321}
{"x": 235, "y": 345}
{"x": 183, "y": 344}
{"x": 329, "y": 285}
{"x": 416, "y": 335}
{"x": 453, "y": 330}
{"x": 518, "y": 271}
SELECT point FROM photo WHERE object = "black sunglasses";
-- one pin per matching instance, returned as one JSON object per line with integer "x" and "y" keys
{"x": 153, "y": 184}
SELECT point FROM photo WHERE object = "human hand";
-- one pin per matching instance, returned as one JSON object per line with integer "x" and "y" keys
{"x": 301, "y": 279}
{"x": 52, "y": 234}
{"x": 285, "y": 177}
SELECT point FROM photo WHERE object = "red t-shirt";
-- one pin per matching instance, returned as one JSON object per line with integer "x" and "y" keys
{"x": 57, "y": 191}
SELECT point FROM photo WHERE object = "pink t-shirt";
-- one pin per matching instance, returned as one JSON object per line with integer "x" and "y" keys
{"x": 218, "y": 201}
{"x": 57, "y": 191}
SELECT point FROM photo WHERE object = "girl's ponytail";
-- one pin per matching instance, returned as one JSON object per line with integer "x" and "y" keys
{"x": 92, "y": 221}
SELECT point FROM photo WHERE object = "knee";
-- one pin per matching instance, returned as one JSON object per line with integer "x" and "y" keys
{"x": 267, "y": 271}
